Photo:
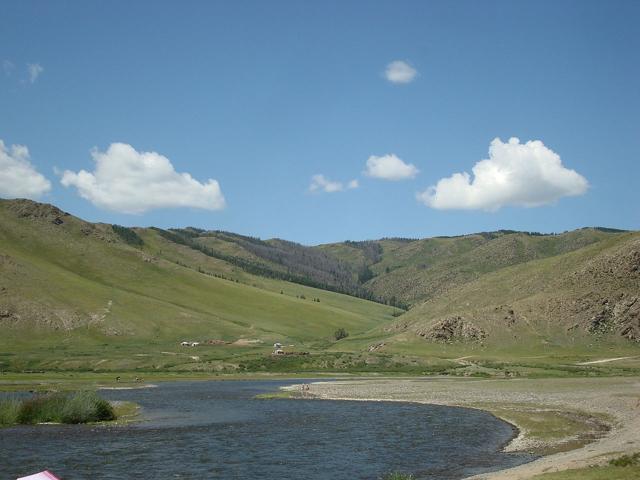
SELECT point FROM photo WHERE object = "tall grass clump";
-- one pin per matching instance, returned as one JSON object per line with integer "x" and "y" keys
{"x": 9, "y": 409}
{"x": 79, "y": 407}
{"x": 84, "y": 407}
{"x": 41, "y": 409}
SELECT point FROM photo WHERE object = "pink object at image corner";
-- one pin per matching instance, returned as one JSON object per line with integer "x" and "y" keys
{"x": 46, "y": 475}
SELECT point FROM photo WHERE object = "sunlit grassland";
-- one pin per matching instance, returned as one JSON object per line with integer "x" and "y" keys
{"x": 103, "y": 305}
{"x": 97, "y": 305}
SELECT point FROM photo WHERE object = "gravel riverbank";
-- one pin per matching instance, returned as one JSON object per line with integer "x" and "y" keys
{"x": 576, "y": 422}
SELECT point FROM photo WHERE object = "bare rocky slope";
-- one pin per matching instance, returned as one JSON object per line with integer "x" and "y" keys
{"x": 581, "y": 296}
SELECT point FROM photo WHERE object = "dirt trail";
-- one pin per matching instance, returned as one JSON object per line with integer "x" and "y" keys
{"x": 606, "y": 360}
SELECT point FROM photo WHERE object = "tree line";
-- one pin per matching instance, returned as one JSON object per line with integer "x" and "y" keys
{"x": 290, "y": 255}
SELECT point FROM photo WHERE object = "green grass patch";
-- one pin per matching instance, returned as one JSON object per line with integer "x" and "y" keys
{"x": 78, "y": 407}
{"x": 555, "y": 430}
{"x": 626, "y": 467}
{"x": 9, "y": 410}
{"x": 398, "y": 476}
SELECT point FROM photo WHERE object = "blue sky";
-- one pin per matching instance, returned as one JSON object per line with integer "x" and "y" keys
{"x": 261, "y": 96}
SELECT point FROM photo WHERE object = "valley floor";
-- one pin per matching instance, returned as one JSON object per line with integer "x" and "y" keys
{"x": 573, "y": 422}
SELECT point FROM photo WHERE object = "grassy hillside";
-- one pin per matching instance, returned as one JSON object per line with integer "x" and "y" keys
{"x": 70, "y": 289}
{"x": 273, "y": 258}
{"x": 398, "y": 272}
{"x": 557, "y": 310}
{"x": 76, "y": 295}
{"x": 415, "y": 270}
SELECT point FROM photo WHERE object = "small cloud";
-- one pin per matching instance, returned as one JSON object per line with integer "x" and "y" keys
{"x": 400, "y": 72}
{"x": 18, "y": 177}
{"x": 8, "y": 67}
{"x": 519, "y": 174}
{"x": 128, "y": 181}
{"x": 390, "y": 167}
{"x": 320, "y": 183}
{"x": 34, "y": 70}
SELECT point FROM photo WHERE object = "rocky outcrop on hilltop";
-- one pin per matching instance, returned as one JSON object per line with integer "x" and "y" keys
{"x": 57, "y": 220}
{"x": 24, "y": 208}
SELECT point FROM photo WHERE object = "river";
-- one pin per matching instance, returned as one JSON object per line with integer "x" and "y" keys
{"x": 218, "y": 430}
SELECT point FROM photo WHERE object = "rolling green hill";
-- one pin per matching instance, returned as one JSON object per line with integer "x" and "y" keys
{"x": 560, "y": 310}
{"x": 70, "y": 288}
{"x": 77, "y": 295}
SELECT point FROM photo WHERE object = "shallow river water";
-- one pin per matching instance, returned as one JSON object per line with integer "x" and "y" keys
{"x": 203, "y": 430}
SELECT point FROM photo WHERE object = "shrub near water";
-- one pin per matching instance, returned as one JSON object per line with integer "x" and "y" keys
{"x": 80, "y": 407}
{"x": 86, "y": 407}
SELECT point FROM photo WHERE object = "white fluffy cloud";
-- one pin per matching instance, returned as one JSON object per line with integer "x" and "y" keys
{"x": 128, "y": 181}
{"x": 520, "y": 174}
{"x": 18, "y": 178}
{"x": 400, "y": 72}
{"x": 320, "y": 183}
{"x": 34, "y": 70}
{"x": 390, "y": 167}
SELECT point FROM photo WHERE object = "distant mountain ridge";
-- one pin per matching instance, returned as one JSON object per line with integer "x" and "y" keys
{"x": 364, "y": 268}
